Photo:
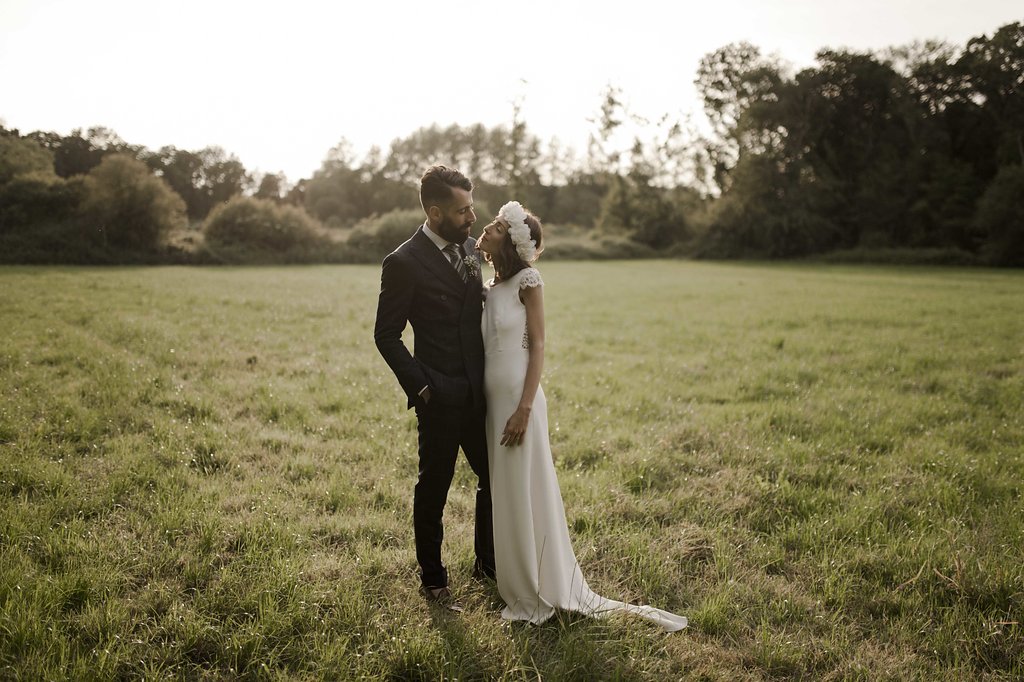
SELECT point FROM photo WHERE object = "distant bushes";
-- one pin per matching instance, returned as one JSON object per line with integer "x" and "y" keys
{"x": 890, "y": 256}
{"x": 647, "y": 215}
{"x": 375, "y": 237}
{"x": 128, "y": 208}
{"x": 117, "y": 213}
{"x": 568, "y": 243}
{"x": 31, "y": 193}
{"x": 38, "y": 197}
{"x": 250, "y": 230}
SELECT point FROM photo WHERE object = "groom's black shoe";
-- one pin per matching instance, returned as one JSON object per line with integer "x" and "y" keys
{"x": 442, "y": 596}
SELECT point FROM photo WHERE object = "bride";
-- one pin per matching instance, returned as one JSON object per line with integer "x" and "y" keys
{"x": 537, "y": 570}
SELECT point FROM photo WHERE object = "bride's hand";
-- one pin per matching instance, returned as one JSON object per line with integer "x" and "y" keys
{"x": 515, "y": 427}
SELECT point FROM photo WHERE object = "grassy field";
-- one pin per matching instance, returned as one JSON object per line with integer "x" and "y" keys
{"x": 207, "y": 473}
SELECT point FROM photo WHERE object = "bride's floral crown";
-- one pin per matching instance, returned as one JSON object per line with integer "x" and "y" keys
{"x": 514, "y": 214}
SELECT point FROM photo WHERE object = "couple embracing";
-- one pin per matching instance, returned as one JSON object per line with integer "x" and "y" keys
{"x": 474, "y": 380}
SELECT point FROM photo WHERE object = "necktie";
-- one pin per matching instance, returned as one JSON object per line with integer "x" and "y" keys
{"x": 452, "y": 251}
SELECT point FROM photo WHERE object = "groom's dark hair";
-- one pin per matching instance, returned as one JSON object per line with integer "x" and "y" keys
{"x": 436, "y": 185}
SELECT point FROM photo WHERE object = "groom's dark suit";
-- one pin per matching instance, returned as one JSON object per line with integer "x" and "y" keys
{"x": 420, "y": 286}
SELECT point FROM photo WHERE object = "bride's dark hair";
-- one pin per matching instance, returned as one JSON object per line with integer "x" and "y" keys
{"x": 507, "y": 261}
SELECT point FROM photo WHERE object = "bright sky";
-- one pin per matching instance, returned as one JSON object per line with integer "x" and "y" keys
{"x": 279, "y": 83}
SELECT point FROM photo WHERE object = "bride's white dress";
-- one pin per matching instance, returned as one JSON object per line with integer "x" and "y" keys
{"x": 537, "y": 570}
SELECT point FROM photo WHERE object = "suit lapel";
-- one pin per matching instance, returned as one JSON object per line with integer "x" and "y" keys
{"x": 431, "y": 257}
{"x": 474, "y": 282}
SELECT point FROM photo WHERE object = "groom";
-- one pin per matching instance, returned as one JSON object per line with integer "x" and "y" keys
{"x": 432, "y": 281}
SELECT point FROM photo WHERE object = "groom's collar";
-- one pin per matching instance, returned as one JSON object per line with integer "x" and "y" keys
{"x": 439, "y": 241}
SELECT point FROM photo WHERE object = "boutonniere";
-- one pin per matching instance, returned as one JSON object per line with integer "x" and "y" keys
{"x": 472, "y": 264}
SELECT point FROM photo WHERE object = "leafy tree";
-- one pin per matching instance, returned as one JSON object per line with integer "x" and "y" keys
{"x": 30, "y": 192}
{"x": 828, "y": 154}
{"x": 768, "y": 214}
{"x": 1000, "y": 217}
{"x": 577, "y": 202}
{"x": 642, "y": 212}
{"x": 127, "y": 207}
{"x": 408, "y": 157}
{"x": 730, "y": 80}
{"x": 856, "y": 141}
{"x": 604, "y": 157}
{"x": 994, "y": 67}
{"x": 335, "y": 193}
{"x": 518, "y": 164}
{"x": 22, "y": 155}
{"x": 296, "y": 196}
{"x": 930, "y": 74}
{"x": 203, "y": 178}
{"x": 272, "y": 186}
{"x": 556, "y": 163}
{"x": 183, "y": 171}
{"x": 636, "y": 203}
{"x": 78, "y": 153}
{"x": 223, "y": 175}
{"x": 942, "y": 185}
{"x": 487, "y": 156}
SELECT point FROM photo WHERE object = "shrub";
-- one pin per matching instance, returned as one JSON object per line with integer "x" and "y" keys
{"x": 246, "y": 229}
{"x": 36, "y": 197}
{"x": 61, "y": 242}
{"x": 642, "y": 212}
{"x": 377, "y": 236}
{"x": 573, "y": 243}
{"x": 127, "y": 207}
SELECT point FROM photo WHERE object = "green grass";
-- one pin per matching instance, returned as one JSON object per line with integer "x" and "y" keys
{"x": 207, "y": 473}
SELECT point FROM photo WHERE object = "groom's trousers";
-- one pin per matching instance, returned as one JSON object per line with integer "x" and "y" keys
{"x": 442, "y": 430}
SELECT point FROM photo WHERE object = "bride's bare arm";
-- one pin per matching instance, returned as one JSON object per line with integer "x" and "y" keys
{"x": 515, "y": 427}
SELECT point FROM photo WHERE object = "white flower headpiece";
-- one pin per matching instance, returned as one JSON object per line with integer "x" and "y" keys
{"x": 515, "y": 216}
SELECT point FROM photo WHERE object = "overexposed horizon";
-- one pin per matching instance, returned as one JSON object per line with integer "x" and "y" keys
{"x": 278, "y": 84}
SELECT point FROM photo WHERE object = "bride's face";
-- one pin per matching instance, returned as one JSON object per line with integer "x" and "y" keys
{"x": 494, "y": 234}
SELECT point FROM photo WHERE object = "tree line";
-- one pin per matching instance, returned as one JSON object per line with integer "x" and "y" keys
{"x": 910, "y": 150}
{"x": 916, "y": 147}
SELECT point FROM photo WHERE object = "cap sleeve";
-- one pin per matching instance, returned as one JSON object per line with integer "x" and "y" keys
{"x": 530, "y": 278}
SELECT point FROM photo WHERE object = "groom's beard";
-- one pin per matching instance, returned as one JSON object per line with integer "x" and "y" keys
{"x": 454, "y": 232}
